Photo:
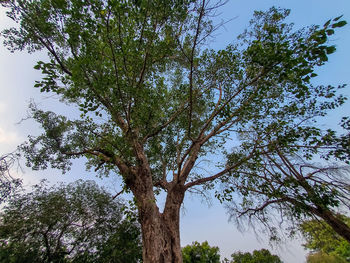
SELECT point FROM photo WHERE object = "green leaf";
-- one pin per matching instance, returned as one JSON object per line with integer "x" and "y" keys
{"x": 327, "y": 23}
{"x": 330, "y": 32}
{"x": 339, "y": 24}
{"x": 330, "y": 50}
{"x": 337, "y": 18}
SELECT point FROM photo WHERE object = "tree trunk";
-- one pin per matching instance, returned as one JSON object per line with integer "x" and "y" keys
{"x": 160, "y": 231}
{"x": 328, "y": 216}
{"x": 337, "y": 224}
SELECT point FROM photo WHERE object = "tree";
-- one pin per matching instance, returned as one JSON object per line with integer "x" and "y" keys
{"x": 200, "y": 253}
{"x": 320, "y": 257}
{"x": 123, "y": 246}
{"x": 258, "y": 256}
{"x": 78, "y": 222}
{"x": 155, "y": 103}
{"x": 323, "y": 241}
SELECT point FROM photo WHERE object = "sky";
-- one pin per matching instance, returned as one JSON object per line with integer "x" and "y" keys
{"x": 199, "y": 221}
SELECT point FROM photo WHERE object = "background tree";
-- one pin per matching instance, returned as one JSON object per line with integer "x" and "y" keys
{"x": 155, "y": 103}
{"x": 78, "y": 222}
{"x": 320, "y": 257}
{"x": 258, "y": 256}
{"x": 200, "y": 253}
{"x": 322, "y": 240}
{"x": 122, "y": 246}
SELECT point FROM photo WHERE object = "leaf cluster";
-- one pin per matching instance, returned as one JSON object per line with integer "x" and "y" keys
{"x": 200, "y": 253}
{"x": 257, "y": 256}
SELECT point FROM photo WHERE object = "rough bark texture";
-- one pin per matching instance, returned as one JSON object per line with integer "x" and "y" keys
{"x": 160, "y": 231}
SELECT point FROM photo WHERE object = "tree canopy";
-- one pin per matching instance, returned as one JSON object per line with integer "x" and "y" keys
{"x": 257, "y": 256}
{"x": 200, "y": 253}
{"x": 156, "y": 103}
{"x": 78, "y": 222}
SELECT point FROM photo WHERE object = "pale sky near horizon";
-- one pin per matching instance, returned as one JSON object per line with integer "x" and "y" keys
{"x": 199, "y": 222}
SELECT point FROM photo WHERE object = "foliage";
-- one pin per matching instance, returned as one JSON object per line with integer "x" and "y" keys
{"x": 200, "y": 253}
{"x": 258, "y": 256}
{"x": 8, "y": 184}
{"x": 155, "y": 103}
{"x": 320, "y": 237}
{"x": 321, "y": 257}
{"x": 78, "y": 222}
{"x": 266, "y": 83}
{"x": 122, "y": 246}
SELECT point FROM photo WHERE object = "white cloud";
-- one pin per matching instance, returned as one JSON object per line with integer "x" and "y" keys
{"x": 8, "y": 139}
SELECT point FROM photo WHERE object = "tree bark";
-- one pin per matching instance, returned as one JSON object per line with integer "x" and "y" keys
{"x": 328, "y": 216}
{"x": 160, "y": 231}
{"x": 337, "y": 224}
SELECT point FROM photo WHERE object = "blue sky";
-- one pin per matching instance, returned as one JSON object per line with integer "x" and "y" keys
{"x": 200, "y": 222}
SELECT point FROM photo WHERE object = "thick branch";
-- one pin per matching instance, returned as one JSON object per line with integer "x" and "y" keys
{"x": 198, "y": 30}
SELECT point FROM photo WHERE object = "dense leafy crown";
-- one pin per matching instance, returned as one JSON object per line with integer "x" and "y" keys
{"x": 140, "y": 75}
{"x": 78, "y": 222}
{"x": 200, "y": 253}
{"x": 257, "y": 256}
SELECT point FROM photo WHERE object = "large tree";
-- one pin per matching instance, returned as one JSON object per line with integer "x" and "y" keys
{"x": 155, "y": 103}
{"x": 78, "y": 222}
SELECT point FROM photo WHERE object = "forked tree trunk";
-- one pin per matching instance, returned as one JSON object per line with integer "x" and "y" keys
{"x": 160, "y": 231}
{"x": 161, "y": 237}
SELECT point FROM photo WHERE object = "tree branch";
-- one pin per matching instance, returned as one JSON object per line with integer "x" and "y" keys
{"x": 223, "y": 172}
